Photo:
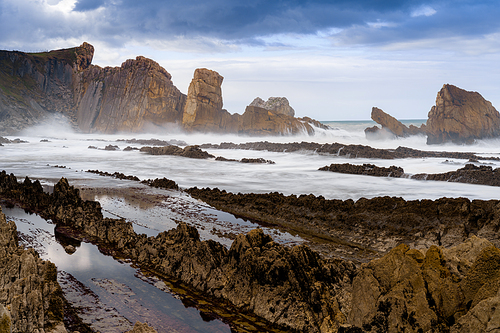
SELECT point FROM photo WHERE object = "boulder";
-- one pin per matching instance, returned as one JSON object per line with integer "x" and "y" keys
{"x": 461, "y": 116}
{"x": 142, "y": 328}
{"x": 260, "y": 121}
{"x": 275, "y": 104}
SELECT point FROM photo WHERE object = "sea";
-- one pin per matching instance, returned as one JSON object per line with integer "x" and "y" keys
{"x": 54, "y": 150}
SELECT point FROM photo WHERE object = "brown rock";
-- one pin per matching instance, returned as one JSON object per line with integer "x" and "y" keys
{"x": 133, "y": 97}
{"x": 461, "y": 116}
{"x": 275, "y": 104}
{"x": 391, "y": 124}
{"x": 259, "y": 121}
{"x": 203, "y": 111}
{"x": 142, "y": 328}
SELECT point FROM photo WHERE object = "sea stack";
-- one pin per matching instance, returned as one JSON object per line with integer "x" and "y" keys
{"x": 461, "y": 116}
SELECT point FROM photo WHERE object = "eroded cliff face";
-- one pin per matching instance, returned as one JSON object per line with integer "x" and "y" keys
{"x": 137, "y": 96}
{"x": 37, "y": 85}
{"x": 461, "y": 116}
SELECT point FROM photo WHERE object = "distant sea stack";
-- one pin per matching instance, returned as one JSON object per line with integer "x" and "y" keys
{"x": 459, "y": 116}
{"x": 137, "y": 96}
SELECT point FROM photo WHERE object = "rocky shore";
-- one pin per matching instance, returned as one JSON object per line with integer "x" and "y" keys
{"x": 469, "y": 174}
{"x": 339, "y": 149}
{"x": 31, "y": 300}
{"x": 443, "y": 276}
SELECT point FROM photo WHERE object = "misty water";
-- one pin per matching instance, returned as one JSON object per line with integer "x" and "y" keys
{"x": 52, "y": 152}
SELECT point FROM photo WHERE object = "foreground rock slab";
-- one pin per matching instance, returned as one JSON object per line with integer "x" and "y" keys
{"x": 31, "y": 300}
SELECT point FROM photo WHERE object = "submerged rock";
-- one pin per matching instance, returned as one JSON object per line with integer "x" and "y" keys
{"x": 142, "y": 328}
{"x": 188, "y": 151}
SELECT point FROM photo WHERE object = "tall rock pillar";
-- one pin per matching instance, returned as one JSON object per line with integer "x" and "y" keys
{"x": 203, "y": 109}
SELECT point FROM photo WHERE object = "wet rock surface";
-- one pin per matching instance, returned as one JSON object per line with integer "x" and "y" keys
{"x": 259, "y": 160}
{"x": 154, "y": 142}
{"x": 339, "y": 149}
{"x": 117, "y": 175}
{"x": 289, "y": 287}
{"x": 164, "y": 183}
{"x": 367, "y": 228}
{"x": 469, "y": 174}
{"x": 365, "y": 169}
{"x": 30, "y": 298}
{"x": 188, "y": 151}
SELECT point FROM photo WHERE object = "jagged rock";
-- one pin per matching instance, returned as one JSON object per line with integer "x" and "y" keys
{"x": 203, "y": 110}
{"x": 390, "y": 125}
{"x": 405, "y": 290}
{"x": 461, "y": 116}
{"x": 162, "y": 183}
{"x": 349, "y": 151}
{"x": 365, "y": 169}
{"x": 142, "y": 328}
{"x": 30, "y": 298}
{"x": 275, "y": 104}
{"x": 260, "y": 121}
{"x": 188, "y": 151}
{"x": 134, "y": 97}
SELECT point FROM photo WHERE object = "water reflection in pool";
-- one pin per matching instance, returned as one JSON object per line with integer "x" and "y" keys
{"x": 111, "y": 295}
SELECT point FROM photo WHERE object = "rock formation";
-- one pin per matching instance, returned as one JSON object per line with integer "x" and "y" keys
{"x": 469, "y": 174}
{"x": 30, "y": 298}
{"x": 449, "y": 281}
{"x": 275, "y": 104}
{"x": 134, "y": 97}
{"x": 461, "y": 116}
{"x": 203, "y": 111}
{"x": 138, "y": 96}
{"x": 349, "y": 151}
{"x": 392, "y": 125}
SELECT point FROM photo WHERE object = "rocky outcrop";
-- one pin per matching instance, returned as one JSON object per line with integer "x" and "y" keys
{"x": 275, "y": 104}
{"x": 291, "y": 287}
{"x": 188, "y": 151}
{"x": 392, "y": 125}
{"x": 34, "y": 86}
{"x": 203, "y": 110}
{"x": 349, "y": 151}
{"x": 142, "y": 328}
{"x": 469, "y": 174}
{"x": 137, "y": 96}
{"x": 365, "y": 169}
{"x": 461, "y": 116}
{"x": 30, "y": 298}
{"x": 452, "y": 289}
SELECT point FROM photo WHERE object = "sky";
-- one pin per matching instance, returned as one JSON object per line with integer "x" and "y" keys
{"x": 333, "y": 60}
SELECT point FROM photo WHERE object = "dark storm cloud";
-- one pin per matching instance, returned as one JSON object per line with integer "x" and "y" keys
{"x": 246, "y": 22}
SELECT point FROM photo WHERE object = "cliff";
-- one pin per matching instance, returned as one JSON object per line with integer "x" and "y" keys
{"x": 137, "y": 96}
{"x": 34, "y": 86}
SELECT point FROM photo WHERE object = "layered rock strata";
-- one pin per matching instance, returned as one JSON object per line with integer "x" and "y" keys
{"x": 290, "y": 287}
{"x": 137, "y": 96}
{"x": 449, "y": 286}
{"x": 350, "y": 151}
{"x": 364, "y": 229}
{"x": 461, "y": 116}
{"x": 31, "y": 300}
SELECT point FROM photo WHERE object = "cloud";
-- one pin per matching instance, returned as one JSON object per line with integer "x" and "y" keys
{"x": 223, "y": 25}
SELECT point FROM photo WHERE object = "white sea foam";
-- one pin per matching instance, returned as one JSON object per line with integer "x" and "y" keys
{"x": 293, "y": 173}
